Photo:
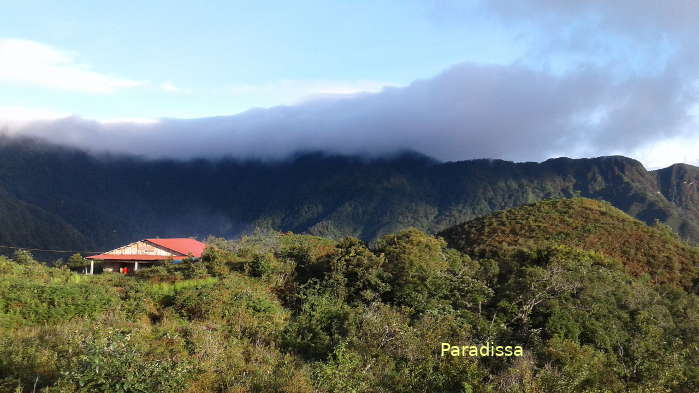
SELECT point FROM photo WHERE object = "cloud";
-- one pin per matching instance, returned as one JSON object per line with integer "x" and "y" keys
{"x": 468, "y": 111}
{"x": 636, "y": 17}
{"x": 290, "y": 91}
{"x": 633, "y": 34}
{"x": 669, "y": 151}
{"x": 32, "y": 63}
{"x": 128, "y": 120}
{"x": 16, "y": 117}
{"x": 19, "y": 113}
{"x": 170, "y": 87}
{"x": 627, "y": 84}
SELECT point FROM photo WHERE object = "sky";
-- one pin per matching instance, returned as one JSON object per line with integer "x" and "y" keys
{"x": 523, "y": 81}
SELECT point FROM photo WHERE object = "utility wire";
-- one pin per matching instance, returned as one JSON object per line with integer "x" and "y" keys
{"x": 57, "y": 251}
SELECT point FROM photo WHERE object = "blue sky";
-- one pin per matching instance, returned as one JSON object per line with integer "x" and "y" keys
{"x": 196, "y": 59}
{"x": 524, "y": 80}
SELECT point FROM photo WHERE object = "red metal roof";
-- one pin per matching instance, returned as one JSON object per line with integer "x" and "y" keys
{"x": 134, "y": 257}
{"x": 184, "y": 246}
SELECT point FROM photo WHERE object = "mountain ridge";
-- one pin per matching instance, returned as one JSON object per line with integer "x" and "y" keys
{"x": 113, "y": 200}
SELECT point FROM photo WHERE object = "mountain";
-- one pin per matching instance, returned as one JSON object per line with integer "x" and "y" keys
{"x": 585, "y": 224}
{"x": 92, "y": 203}
{"x": 679, "y": 184}
{"x": 21, "y": 221}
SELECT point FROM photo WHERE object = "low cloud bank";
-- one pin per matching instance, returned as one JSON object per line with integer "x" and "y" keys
{"x": 468, "y": 111}
{"x": 600, "y": 78}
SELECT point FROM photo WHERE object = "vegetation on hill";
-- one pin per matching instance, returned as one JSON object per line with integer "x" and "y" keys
{"x": 278, "y": 312}
{"x": 20, "y": 221}
{"x": 100, "y": 203}
{"x": 586, "y": 224}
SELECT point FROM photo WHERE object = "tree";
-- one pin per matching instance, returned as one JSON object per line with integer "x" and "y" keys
{"x": 24, "y": 257}
{"x": 357, "y": 274}
{"x": 417, "y": 263}
{"x": 77, "y": 262}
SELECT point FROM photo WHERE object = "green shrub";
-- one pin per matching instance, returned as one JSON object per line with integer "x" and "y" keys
{"x": 248, "y": 308}
{"x": 356, "y": 274}
{"x": 111, "y": 363}
{"x": 262, "y": 265}
{"x": 77, "y": 262}
{"x": 217, "y": 260}
{"x": 425, "y": 274}
{"x": 23, "y": 257}
{"x": 37, "y": 303}
{"x": 193, "y": 269}
{"x": 323, "y": 322}
{"x": 350, "y": 319}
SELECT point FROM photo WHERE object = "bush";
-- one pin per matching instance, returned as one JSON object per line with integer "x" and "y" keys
{"x": 356, "y": 274}
{"x": 217, "y": 260}
{"x": 24, "y": 257}
{"x": 262, "y": 264}
{"x": 418, "y": 265}
{"x": 77, "y": 262}
{"x": 323, "y": 322}
{"x": 111, "y": 363}
{"x": 37, "y": 303}
{"x": 247, "y": 307}
{"x": 354, "y": 319}
{"x": 193, "y": 269}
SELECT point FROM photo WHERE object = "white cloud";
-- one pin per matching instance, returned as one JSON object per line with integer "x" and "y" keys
{"x": 34, "y": 63}
{"x": 129, "y": 120}
{"x": 293, "y": 91}
{"x": 170, "y": 87}
{"x": 13, "y": 117}
{"x": 468, "y": 111}
{"x": 664, "y": 153}
{"x": 24, "y": 113}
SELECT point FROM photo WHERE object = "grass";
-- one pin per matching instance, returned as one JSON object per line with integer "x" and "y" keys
{"x": 170, "y": 288}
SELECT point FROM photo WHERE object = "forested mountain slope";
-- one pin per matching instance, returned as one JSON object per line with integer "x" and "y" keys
{"x": 585, "y": 224}
{"x": 112, "y": 200}
{"x": 21, "y": 221}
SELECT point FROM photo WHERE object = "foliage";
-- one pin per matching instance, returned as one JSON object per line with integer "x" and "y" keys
{"x": 355, "y": 273}
{"x": 76, "y": 261}
{"x": 57, "y": 198}
{"x": 319, "y": 326}
{"x": 32, "y": 294}
{"x": 23, "y": 257}
{"x": 280, "y": 312}
{"x": 193, "y": 269}
{"x": 111, "y": 363}
{"x": 586, "y": 224}
{"x": 247, "y": 308}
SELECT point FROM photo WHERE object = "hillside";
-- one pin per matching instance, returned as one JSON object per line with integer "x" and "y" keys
{"x": 586, "y": 224}
{"x": 113, "y": 200}
{"x": 22, "y": 221}
{"x": 679, "y": 184}
{"x": 280, "y": 312}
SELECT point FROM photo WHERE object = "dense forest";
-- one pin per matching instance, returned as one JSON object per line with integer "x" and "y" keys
{"x": 58, "y": 198}
{"x": 598, "y": 300}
